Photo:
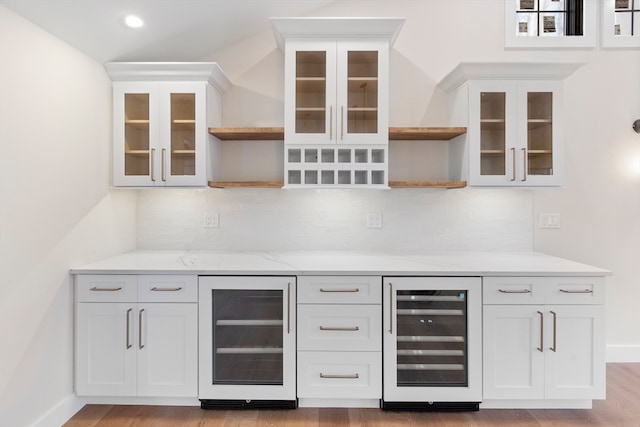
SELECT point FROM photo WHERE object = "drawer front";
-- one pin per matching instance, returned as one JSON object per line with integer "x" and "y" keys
{"x": 339, "y": 327}
{"x": 168, "y": 288}
{"x": 512, "y": 290}
{"x": 106, "y": 288}
{"x": 574, "y": 290}
{"x": 339, "y": 289}
{"x": 340, "y": 375}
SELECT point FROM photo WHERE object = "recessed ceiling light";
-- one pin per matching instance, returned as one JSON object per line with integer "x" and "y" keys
{"x": 133, "y": 21}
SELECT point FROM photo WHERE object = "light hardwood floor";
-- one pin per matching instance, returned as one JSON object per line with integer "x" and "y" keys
{"x": 620, "y": 409}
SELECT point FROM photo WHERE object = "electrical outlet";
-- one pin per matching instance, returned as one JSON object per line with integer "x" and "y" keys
{"x": 211, "y": 220}
{"x": 549, "y": 221}
{"x": 374, "y": 220}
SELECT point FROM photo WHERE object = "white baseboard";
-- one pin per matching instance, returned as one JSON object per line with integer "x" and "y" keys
{"x": 623, "y": 353}
{"x": 61, "y": 413}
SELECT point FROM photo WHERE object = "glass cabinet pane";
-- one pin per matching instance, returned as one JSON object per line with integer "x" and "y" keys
{"x": 136, "y": 134}
{"x": 362, "y": 96}
{"x": 539, "y": 133}
{"x": 432, "y": 338}
{"x": 247, "y": 337}
{"x": 183, "y": 134}
{"x": 311, "y": 89}
{"x": 492, "y": 133}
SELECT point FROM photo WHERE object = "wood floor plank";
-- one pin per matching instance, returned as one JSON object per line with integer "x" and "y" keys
{"x": 620, "y": 409}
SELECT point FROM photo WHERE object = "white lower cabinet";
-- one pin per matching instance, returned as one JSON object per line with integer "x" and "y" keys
{"x": 339, "y": 341}
{"x": 544, "y": 338}
{"x": 127, "y": 344}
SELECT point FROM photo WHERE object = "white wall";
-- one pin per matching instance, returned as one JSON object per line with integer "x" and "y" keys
{"x": 56, "y": 210}
{"x": 259, "y": 219}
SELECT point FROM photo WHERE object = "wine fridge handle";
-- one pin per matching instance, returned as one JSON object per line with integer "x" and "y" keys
{"x": 289, "y": 308}
{"x": 391, "y": 308}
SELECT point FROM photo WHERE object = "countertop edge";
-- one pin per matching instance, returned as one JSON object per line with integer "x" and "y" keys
{"x": 219, "y": 263}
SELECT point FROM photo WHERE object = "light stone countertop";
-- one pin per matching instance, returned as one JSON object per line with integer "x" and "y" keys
{"x": 339, "y": 263}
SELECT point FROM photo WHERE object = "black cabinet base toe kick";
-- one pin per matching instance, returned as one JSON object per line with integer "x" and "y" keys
{"x": 431, "y": 406}
{"x": 248, "y": 404}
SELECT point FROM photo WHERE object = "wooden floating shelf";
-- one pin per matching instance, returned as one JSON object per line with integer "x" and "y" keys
{"x": 252, "y": 134}
{"x": 392, "y": 184}
{"x": 425, "y": 133}
{"x": 395, "y": 133}
{"x": 246, "y": 184}
{"x": 427, "y": 184}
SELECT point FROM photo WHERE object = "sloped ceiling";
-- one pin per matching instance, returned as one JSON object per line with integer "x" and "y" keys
{"x": 174, "y": 30}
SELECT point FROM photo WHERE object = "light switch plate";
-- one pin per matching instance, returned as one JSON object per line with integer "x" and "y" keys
{"x": 211, "y": 220}
{"x": 374, "y": 220}
{"x": 547, "y": 220}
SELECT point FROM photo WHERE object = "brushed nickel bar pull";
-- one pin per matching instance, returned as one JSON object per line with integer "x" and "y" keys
{"x": 164, "y": 166}
{"x": 390, "y": 308}
{"x": 330, "y": 122}
{"x": 513, "y": 163}
{"x": 97, "y": 289}
{"x": 555, "y": 331}
{"x": 342, "y": 122}
{"x": 128, "y": 323}
{"x": 340, "y": 377}
{"x": 340, "y": 290}
{"x": 140, "y": 345}
{"x": 507, "y": 291}
{"x": 541, "y": 348}
{"x": 152, "y": 162}
{"x": 289, "y": 307}
{"x": 166, "y": 289}
{"x": 569, "y": 291}
{"x": 328, "y": 328}
{"x": 524, "y": 158}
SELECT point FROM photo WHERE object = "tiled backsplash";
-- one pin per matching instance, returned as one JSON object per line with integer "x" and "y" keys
{"x": 275, "y": 219}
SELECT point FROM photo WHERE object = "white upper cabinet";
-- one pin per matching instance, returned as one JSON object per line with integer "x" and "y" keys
{"x": 161, "y": 114}
{"x": 514, "y": 116}
{"x": 337, "y": 92}
{"x": 336, "y": 121}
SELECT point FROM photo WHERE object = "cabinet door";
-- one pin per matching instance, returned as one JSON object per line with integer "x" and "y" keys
{"x": 539, "y": 150}
{"x": 362, "y": 92}
{"x": 183, "y": 132}
{"x": 492, "y": 133}
{"x": 310, "y": 92}
{"x": 575, "y": 352}
{"x": 167, "y": 348}
{"x": 135, "y": 133}
{"x": 105, "y": 349}
{"x": 513, "y": 352}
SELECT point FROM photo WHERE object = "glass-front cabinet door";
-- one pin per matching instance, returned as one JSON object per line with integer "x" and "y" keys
{"x": 514, "y": 133}
{"x": 539, "y": 137}
{"x": 363, "y": 92}
{"x": 247, "y": 338}
{"x": 310, "y": 87}
{"x": 159, "y": 134}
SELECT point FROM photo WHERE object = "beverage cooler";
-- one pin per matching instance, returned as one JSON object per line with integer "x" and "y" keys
{"x": 432, "y": 343}
{"x": 247, "y": 342}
